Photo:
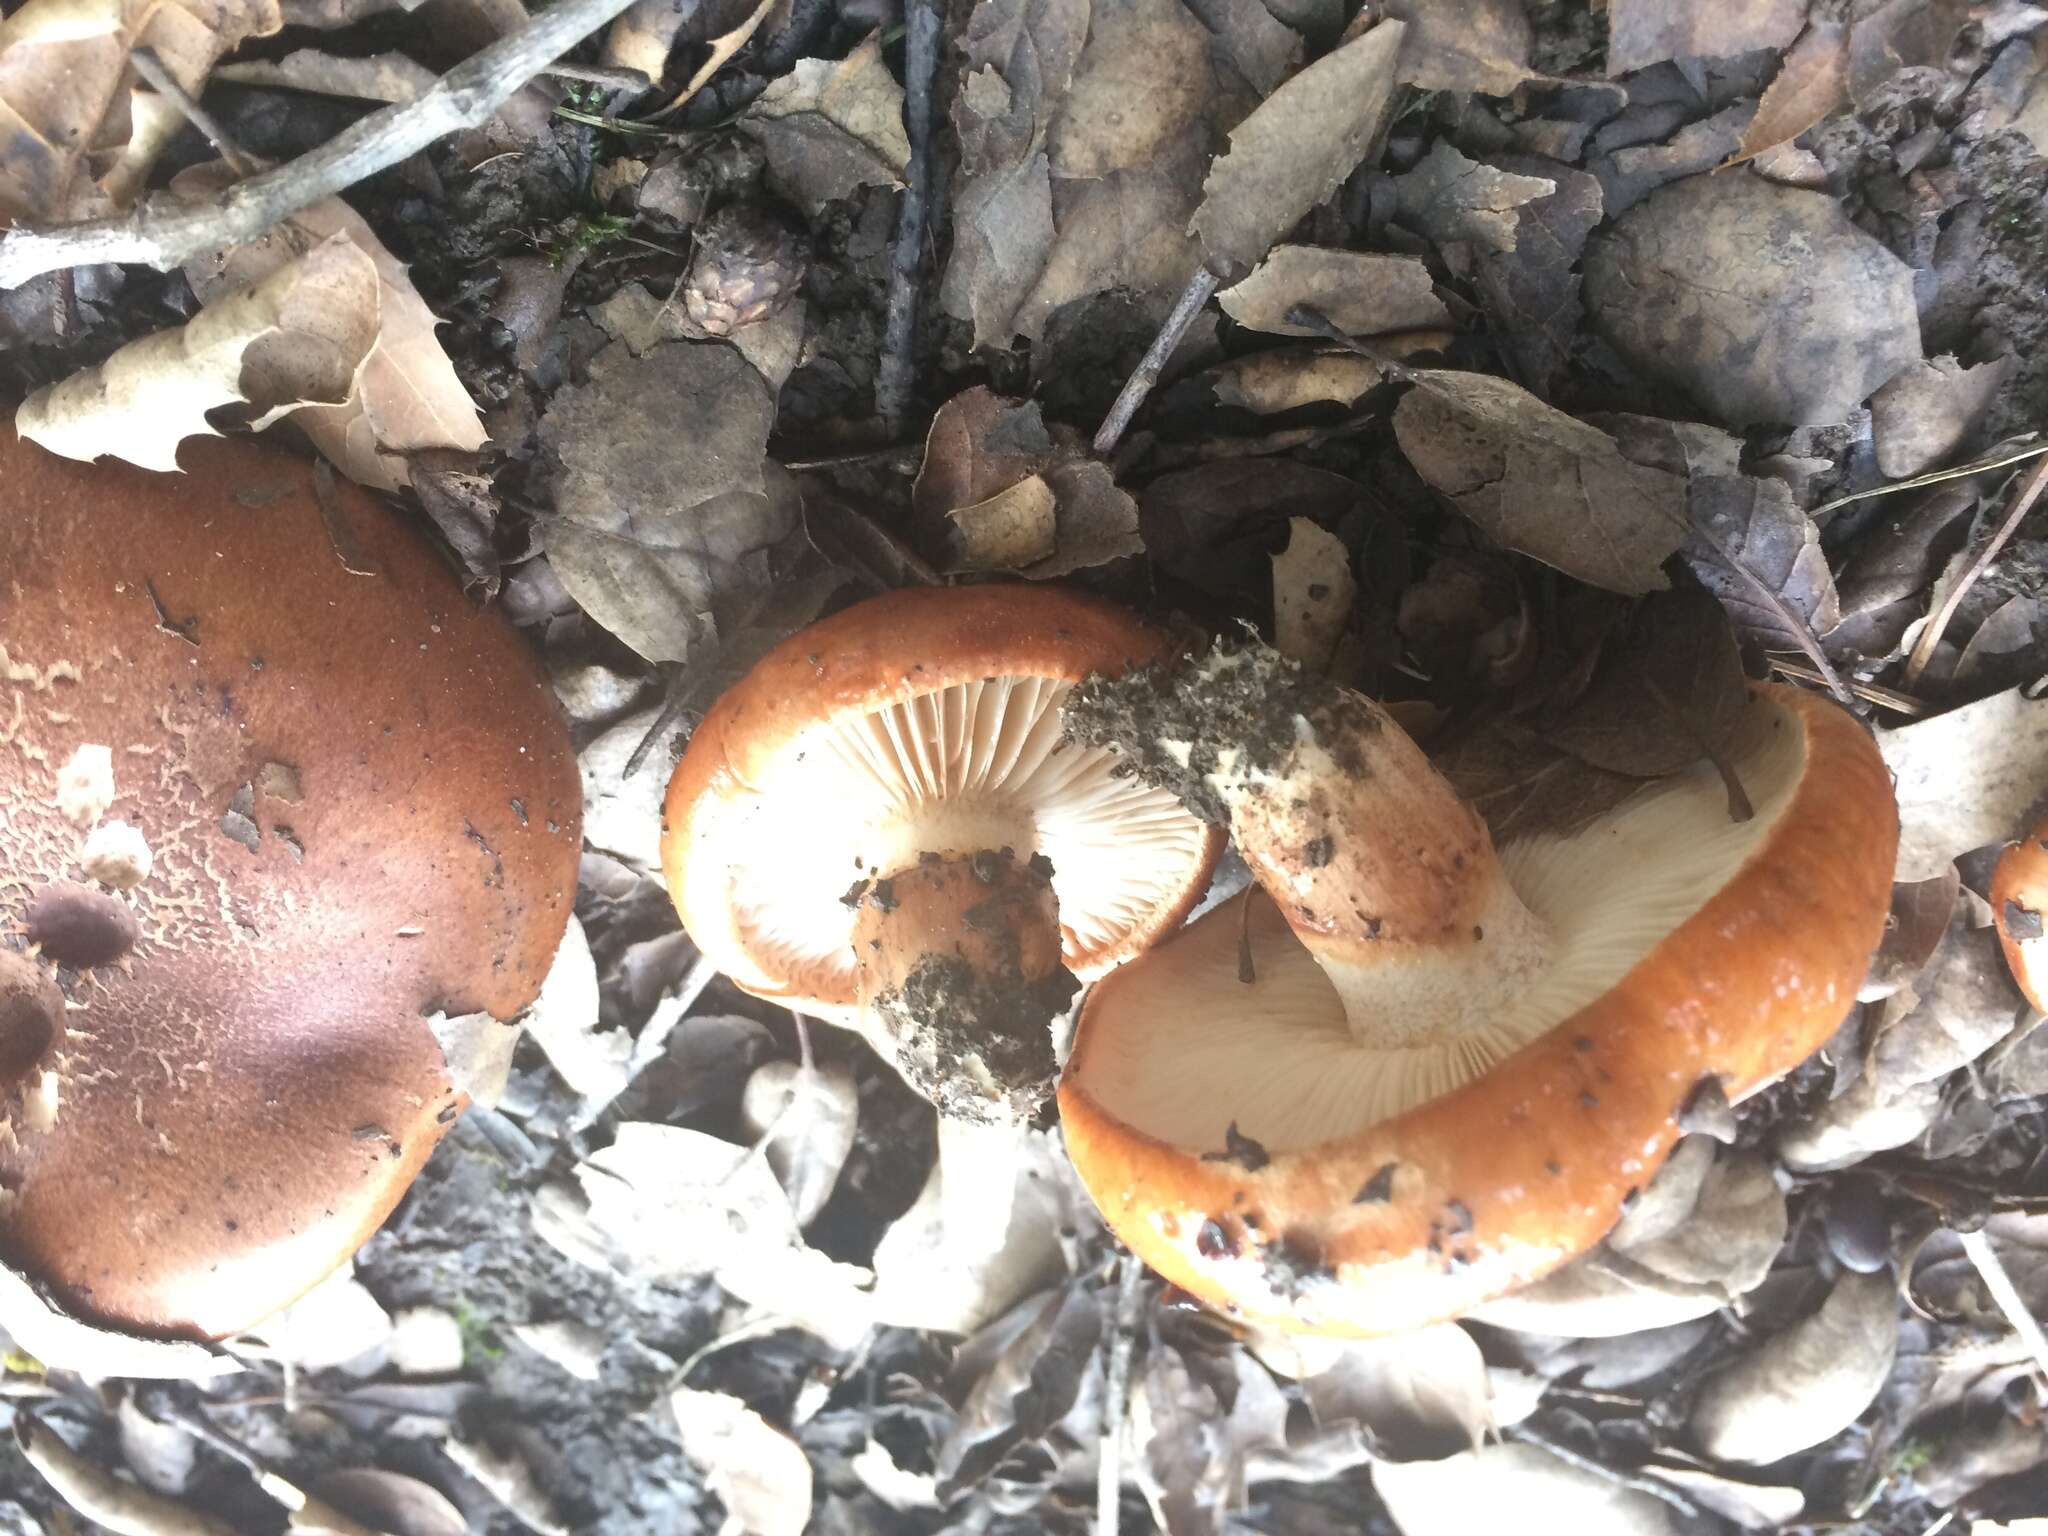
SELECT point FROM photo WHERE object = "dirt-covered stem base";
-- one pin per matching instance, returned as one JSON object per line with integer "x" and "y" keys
{"x": 960, "y": 971}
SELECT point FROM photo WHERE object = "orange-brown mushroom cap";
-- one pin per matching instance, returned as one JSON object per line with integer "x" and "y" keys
{"x": 2019, "y": 905}
{"x": 922, "y": 721}
{"x": 1230, "y": 1132}
{"x": 330, "y": 803}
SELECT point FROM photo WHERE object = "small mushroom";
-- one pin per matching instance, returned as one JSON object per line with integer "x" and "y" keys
{"x": 1447, "y": 1070}
{"x": 880, "y": 825}
{"x": 2019, "y": 906}
{"x": 238, "y": 1080}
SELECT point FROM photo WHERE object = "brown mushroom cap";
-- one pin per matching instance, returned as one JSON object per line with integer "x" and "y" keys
{"x": 1245, "y": 1144}
{"x": 922, "y": 721}
{"x": 360, "y": 807}
{"x": 2019, "y": 905}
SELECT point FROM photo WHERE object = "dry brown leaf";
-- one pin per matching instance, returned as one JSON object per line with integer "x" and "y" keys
{"x": 1451, "y": 198}
{"x": 1811, "y": 82}
{"x": 1463, "y": 45}
{"x": 1966, "y": 779}
{"x": 376, "y": 77}
{"x": 1516, "y": 1488}
{"x": 1359, "y": 293}
{"x": 1644, "y": 32}
{"x": 1540, "y": 482}
{"x": 1267, "y": 383}
{"x": 1010, "y": 530}
{"x": 298, "y": 337}
{"x": 980, "y": 449}
{"x": 832, "y": 126}
{"x": 663, "y": 536}
{"x": 1295, "y": 149}
{"x": 1313, "y": 590}
{"x": 1085, "y": 131}
{"x": 759, "y": 1474}
{"x": 1764, "y": 302}
{"x": 1929, "y": 410}
{"x": 1806, "y": 1384}
{"x": 390, "y": 1502}
{"x": 646, "y": 33}
{"x": 1419, "y": 1395}
{"x": 63, "y": 67}
{"x": 406, "y": 396}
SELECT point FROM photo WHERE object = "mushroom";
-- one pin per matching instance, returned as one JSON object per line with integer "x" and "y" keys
{"x": 880, "y": 825}
{"x": 1446, "y": 1071}
{"x": 2019, "y": 903}
{"x": 274, "y": 793}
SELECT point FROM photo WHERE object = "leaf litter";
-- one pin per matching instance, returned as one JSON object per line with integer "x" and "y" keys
{"x": 1551, "y": 589}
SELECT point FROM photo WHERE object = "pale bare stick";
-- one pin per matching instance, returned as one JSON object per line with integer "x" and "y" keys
{"x": 164, "y": 231}
{"x": 1930, "y": 636}
{"x": 1992, "y": 1272}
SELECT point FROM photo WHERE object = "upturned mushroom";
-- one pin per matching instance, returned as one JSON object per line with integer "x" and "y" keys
{"x": 273, "y": 792}
{"x": 2019, "y": 906}
{"x": 880, "y": 825}
{"x": 1417, "y": 1072}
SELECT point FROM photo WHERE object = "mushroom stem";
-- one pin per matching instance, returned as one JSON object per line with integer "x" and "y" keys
{"x": 1386, "y": 876}
{"x": 960, "y": 979}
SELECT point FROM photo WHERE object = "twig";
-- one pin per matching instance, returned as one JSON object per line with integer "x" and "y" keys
{"x": 164, "y": 231}
{"x": 1871, "y": 693}
{"x": 160, "y": 80}
{"x": 1325, "y": 327}
{"x": 1977, "y": 1247}
{"x": 1572, "y": 1458}
{"x": 920, "y": 66}
{"x": 1201, "y": 287}
{"x": 599, "y": 74}
{"x": 1932, "y": 477}
{"x": 1116, "y": 1395}
{"x": 1930, "y": 636}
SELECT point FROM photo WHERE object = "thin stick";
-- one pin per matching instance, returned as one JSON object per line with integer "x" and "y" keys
{"x": 1116, "y": 1395}
{"x": 2022, "y": 502}
{"x": 160, "y": 80}
{"x": 163, "y": 231}
{"x": 1201, "y": 287}
{"x": 920, "y": 66}
{"x": 599, "y": 74}
{"x": 1932, "y": 477}
{"x": 1572, "y": 1458}
{"x": 1871, "y": 693}
{"x": 1979, "y": 1251}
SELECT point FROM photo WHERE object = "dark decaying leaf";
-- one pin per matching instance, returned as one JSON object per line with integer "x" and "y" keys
{"x": 1762, "y": 301}
{"x": 1260, "y": 46}
{"x": 1812, "y": 80}
{"x": 1215, "y": 526}
{"x": 1750, "y": 545}
{"x": 1531, "y": 293}
{"x": 1671, "y": 688}
{"x": 1540, "y": 482}
{"x": 1644, "y": 32}
{"x": 1884, "y": 581}
{"x": 1295, "y": 149}
{"x": 657, "y": 531}
{"x": 1524, "y": 787}
{"x": 464, "y": 507}
{"x": 1451, "y": 198}
{"x": 1025, "y": 1391}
